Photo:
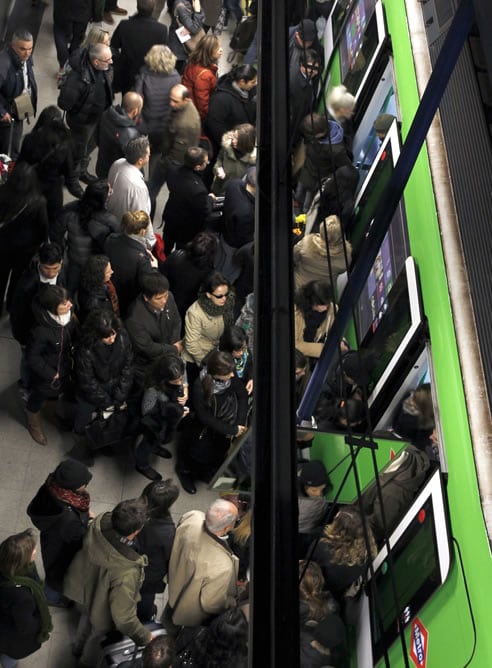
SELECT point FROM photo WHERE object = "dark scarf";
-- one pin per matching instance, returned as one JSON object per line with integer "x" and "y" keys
{"x": 30, "y": 579}
{"x": 74, "y": 499}
{"x": 226, "y": 311}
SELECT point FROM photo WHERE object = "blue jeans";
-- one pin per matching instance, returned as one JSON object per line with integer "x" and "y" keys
{"x": 7, "y": 661}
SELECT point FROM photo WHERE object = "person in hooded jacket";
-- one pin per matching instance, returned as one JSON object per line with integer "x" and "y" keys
{"x": 49, "y": 353}
{"x": 236, "y": 155}
{"x": 103, "y": 365}
{"x": 60, "y": 510}
{"x": 233, "y": 102}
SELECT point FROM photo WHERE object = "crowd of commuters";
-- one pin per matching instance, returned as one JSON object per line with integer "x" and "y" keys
{"x": 146, "y": 338}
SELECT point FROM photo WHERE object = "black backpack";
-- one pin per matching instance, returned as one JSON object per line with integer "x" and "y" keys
{"x": 400, "y": 483}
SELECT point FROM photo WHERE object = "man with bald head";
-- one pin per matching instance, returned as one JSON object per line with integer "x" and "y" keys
{"x": 203, "y": 570}
{"x": 117, "y": 127}
{"x": 182, "y": 131}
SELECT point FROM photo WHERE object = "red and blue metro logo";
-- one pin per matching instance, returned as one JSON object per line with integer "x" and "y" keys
{"x": 419, "y": 644}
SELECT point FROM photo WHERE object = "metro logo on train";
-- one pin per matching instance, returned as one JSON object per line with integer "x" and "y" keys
{"x": 419, "y": 644}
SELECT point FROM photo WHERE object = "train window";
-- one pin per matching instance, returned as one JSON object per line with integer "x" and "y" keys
{"x": 369, "y": 196}
{"x": 394, "y": 336}
{"x": 366, "y": 141}
{"x": 421, "y": 561}
{"x": 333, "y": 27}
{"x": 361, "y": 43}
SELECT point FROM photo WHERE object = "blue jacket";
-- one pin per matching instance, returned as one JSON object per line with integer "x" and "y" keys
{"x": 12, "y": 80}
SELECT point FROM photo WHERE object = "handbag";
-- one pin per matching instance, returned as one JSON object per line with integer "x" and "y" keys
{"x": 191, "y": 44}
{"x": 23, "y": 107}
{"x": 107, "y": 428}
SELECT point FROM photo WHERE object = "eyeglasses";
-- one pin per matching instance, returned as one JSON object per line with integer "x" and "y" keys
{"x": 105, "y": 60}
{"x": 224, "y": 296}
{"x": 311, "y": 66}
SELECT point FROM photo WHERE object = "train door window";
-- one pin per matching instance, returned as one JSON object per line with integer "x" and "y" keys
{"x": 421, "y": 561}
{"x": 333, "y": 26}
{"x": 369, "y": 195}
{"x": 367, "y": 141}
{"x": 361, "y": 43}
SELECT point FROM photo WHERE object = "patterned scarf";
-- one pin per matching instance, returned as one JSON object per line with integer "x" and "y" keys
{"x": 112, "y": 294}
{"x": 81, "y": 501}
{"x": 226, "y": 311}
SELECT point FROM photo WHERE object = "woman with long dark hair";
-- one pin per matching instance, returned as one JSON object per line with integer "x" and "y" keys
{"x": 25, "y": 621}
{"x": 87, "y": 224}
{"x": 313, "y": 316}
{"x": 48, "y": 148}
{"x": 23, "y": 226}
{"x": 96, "y": 289}
{"x": 220, "y": 404}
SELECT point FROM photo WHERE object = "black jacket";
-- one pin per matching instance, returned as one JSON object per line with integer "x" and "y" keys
{"x": 20, "y": 621}
{"x": 86, "y": 93}
{"x": 238, "y": 214}
{"x": 187, "y": 207}
{"x": 153, "y": 334}
{"x": 12, "y": 80}
{"x": 105, "y": 373}
{"x": 116, "y": 129}
{"x": 185, "y": 278}
{"x": 90, "y": 300}
{"x": 156, "y": 540}
{"x": 21, "y": 315}
{"x": 133, "y": 39}
{"x": 50, "y": 351}
{"x": 130, "y": 261}
{"x": 62, "y": 528}
{"x": 228, "y": 108}
{"x": 81, "y": 11}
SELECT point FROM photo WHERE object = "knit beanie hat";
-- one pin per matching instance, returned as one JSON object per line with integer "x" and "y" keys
{"x": 313, "y": 474}
{"x": 71, "y": 474}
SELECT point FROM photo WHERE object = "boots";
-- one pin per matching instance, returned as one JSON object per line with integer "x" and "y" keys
{"x": 81, "y": 450}
{"x": 35, "y": 429}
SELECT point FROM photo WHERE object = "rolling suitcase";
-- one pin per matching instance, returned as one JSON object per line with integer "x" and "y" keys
{"x": 124, "y": 651}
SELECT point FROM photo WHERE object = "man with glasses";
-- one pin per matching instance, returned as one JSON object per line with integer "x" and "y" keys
{"x": 85, "y": 95}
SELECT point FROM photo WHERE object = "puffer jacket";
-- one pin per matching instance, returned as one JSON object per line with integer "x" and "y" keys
{"x": 155, "y": 89}
{"x": 105, "y": 372}
{"x": 105, "y": 577}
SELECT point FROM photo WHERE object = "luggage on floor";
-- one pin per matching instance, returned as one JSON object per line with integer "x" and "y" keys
{"x": 122, "y": 653}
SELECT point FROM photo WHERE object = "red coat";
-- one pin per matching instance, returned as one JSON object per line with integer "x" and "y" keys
{"x": 201, "y": 82}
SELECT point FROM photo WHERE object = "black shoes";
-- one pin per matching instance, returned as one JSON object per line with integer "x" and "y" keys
{"x": 149, "y": 472}
{"x": 87, "y": 178}
{"x": 163, "y": 452}
{"x": 187, "y": 482}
